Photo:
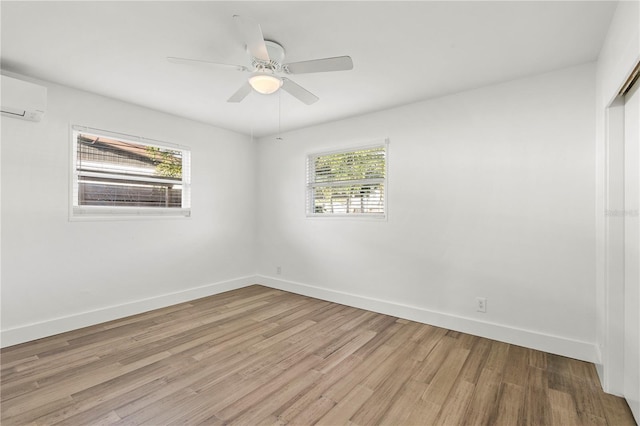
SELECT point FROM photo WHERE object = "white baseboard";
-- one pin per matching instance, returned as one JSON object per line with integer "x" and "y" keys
{"x": 545, "y": 342}
{"x": 54, "y": 326}
{"x": 585, "y": 351}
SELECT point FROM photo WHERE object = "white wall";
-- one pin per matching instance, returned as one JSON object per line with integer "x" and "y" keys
{"x": 490, "y": 194}
{"x": 59, "y": 275}
{"x": 619, "y": 54}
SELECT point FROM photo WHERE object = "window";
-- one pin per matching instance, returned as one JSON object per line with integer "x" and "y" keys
{"x": 348, "y": 183}
{"x": 120, "y": 175}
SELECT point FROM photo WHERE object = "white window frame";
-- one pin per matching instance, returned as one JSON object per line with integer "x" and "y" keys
{"x": 77, "y": 212}
{"x": 309, "y": 199}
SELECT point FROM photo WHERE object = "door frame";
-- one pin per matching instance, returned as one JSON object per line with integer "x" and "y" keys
{"x": 613, "y": 345}
{"x": 612, "y": 233}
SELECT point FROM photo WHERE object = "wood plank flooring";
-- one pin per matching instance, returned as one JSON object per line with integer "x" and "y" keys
{"x": 258, "y": 356}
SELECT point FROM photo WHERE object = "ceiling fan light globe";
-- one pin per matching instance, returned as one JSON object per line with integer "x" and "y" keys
{"x": 265, "y": 84}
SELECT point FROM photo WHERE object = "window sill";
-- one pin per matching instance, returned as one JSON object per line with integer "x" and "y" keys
{"x": 99, "y": 213}
{"x": 356, "y": 216}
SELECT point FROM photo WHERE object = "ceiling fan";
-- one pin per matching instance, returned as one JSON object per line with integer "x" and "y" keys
{"x": 267, "y": 62}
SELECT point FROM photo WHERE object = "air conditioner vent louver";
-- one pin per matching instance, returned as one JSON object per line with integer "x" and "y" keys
{"x": 21, "y": 99}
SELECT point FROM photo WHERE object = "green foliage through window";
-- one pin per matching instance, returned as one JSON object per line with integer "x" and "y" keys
{"x": 168, "y": 162}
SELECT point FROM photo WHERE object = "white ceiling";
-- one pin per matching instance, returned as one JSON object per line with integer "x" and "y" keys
{"x": 402, "y": 51}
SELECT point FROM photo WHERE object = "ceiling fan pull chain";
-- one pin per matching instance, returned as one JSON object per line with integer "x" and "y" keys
{"x": 279, "y": 138}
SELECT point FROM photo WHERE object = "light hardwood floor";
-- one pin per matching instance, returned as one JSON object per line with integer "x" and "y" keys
{"x": 261, "y": 356}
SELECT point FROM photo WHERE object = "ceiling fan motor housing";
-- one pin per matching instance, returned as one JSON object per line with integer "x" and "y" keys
{"x": 276, "y": 58}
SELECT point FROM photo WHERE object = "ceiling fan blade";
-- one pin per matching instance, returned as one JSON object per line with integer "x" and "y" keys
{"x": 186, "y": 61}
{"x": 339, "y": 63}
{"x": 252, "y": 34}
{"x": 298, "y": 92}
{"x": 242, "y": 93}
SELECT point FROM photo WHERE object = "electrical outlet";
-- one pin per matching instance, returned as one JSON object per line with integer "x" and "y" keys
{"x": 278, "y": 270}
{"x": 481, "y": 304}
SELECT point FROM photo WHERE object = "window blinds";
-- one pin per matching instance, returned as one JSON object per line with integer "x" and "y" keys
{"x": 347, "y": 182}
{"x": 112, "y": 176}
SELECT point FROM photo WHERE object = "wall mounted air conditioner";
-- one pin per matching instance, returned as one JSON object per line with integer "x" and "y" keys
{"x": 23, "y": 100}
